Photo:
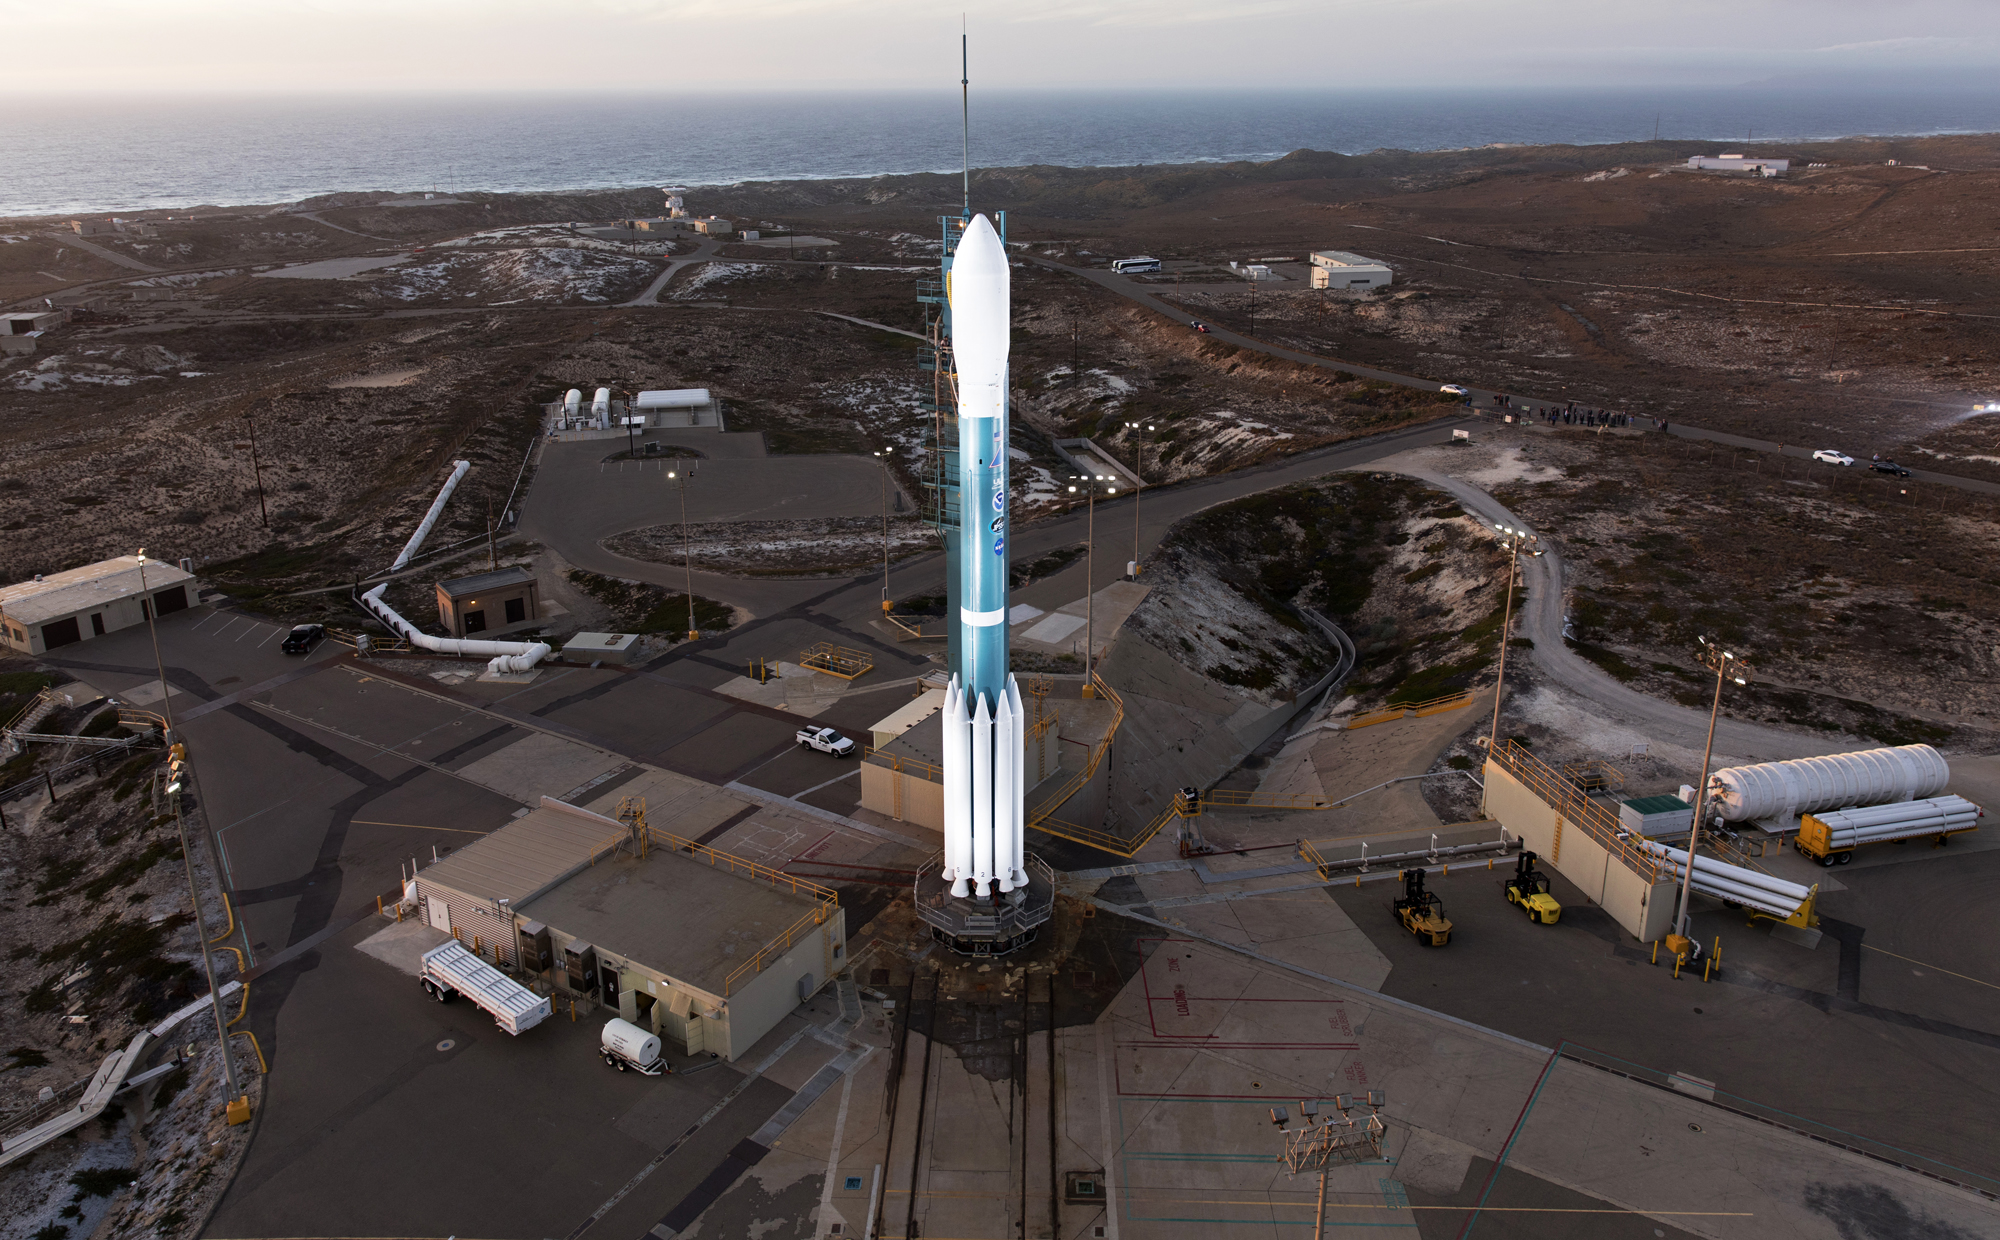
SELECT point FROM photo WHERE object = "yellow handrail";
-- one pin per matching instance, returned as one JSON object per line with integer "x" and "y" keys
{"x": 736, "y": 864}
{"x": 1071, "y": 786}
{"x": 1559, "y": 794}
{"x": 778, "y": 945}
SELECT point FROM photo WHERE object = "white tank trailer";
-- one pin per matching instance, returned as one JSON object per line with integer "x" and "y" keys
{"x": 628, "y": 1048}
{"x": 1785, "y": 790}
{"x": 1831, "y": 837}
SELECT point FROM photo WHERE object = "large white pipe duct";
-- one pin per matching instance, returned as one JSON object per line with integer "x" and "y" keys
{"x": 458, "y": 469}
{"x": 506, "y": 656}
{"x": 1784, "y": 790}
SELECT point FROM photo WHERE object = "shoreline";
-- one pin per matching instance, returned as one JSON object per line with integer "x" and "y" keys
{"x": 10, "y": 216}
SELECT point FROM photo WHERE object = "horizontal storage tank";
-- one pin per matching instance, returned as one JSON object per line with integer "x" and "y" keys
{"x": 1872, "y": 824}
{"x": 629, "y": 1040}
{"x": 1785, "y": 790}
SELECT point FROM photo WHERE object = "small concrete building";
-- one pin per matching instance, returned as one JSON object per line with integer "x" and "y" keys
{"x": 489, "y": 602}
{"x": 34, "y": 321}
{"x": 1740, "y": 163}
{"x": 88, "y": 602}
{"x": 714, "y": 226}
{"x": 1338, "y": 269}
{"x": 93, "y": 228}
{"x": 707, "y": 950}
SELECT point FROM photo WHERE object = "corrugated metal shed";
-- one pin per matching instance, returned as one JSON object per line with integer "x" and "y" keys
{"x": 529, "y": 855}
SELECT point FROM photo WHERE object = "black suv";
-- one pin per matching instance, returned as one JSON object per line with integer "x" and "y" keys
{"x": 1890, "y": 467}
{"x": 303, "y": 638}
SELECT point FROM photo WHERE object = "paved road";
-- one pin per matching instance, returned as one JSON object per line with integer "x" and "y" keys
{"x": 1541, "y": 619}
{"x": 123, "y": 260}
{"x": 1481, "y": 398}
{"x": 704, "y": 251}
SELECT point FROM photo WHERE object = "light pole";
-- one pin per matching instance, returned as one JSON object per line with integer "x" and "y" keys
{"x": 1090, "y": 482}
{"x": 176, "y": 772}
{"x": 1726, "y": 666}
{"x": 1516, "y": 543}
{"x": 1139, "y": 476}
{"x": 677, "y": 476}
{"x": 886, "y": 606}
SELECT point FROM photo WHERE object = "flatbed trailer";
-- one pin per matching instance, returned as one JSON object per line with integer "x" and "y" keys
{"x": 1831, "y": 836}
{"x": 450, "y": 970}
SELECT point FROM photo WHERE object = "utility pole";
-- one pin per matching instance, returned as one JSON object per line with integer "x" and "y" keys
{"x": 176, "y": 769}
{"x": 1139, "y": 476}
{"x": 492, "y": 545}
{"x": 679, "y": 475}
{"x": 257, "y": 467}
{"x": 1090, "y": 482}
{"x": 886, "y": 605}
{"x": 1726, "y": 666}
{"x": 1515, "y": 543}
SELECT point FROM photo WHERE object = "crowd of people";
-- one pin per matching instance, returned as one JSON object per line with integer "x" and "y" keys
{"x": 1573, "y": 414}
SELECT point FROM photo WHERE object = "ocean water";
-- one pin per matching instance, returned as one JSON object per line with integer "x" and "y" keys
{"x": 112, "y": 153}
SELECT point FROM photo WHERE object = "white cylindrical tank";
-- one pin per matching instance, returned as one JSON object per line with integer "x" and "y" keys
{"x": 1807, "y": 785}
{"x": 622, "y": 1037}
{"x": 600, "y": 408}
{"x": 572, "y": 401}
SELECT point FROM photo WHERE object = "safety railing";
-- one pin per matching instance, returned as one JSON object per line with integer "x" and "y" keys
{"x": 1411, "y": 710}
{"x": 912, "y": 627}
{"x": 1116, "y": 845}
{"x": 742, "y": 865}
{"x": 1594, "y": 775}
{"x": 903, "y": 764}
{"x": 1576, "y": 808}
{"x": 840, "y": 661}
{"x": 1071, "y": 786}
{"x": 780, "y": 945}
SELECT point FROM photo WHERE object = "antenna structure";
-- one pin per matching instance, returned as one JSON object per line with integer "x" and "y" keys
{"x": 965, "y": 110}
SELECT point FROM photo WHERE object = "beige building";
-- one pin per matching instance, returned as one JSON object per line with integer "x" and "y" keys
{"x": 714, "y": 226}
{"x": 1338, "y": 269}
{"x": 489, "y": 602}
{"x": 902, "y": 773}
{"x": 708, "y": 950}
{"x": 88, "y": 602}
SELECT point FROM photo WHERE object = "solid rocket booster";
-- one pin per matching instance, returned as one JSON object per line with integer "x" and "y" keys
{"x": 983, "y": 717}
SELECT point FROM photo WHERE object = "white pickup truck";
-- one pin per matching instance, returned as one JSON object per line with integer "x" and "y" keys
{"x": 826, "y": 740}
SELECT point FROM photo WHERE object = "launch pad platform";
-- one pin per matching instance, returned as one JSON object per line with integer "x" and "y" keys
{"x": 994, "y": 926}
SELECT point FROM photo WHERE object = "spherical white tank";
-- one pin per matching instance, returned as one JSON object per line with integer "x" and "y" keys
{"x": 625, "y": 1038}
{"x": 1809, "y": 785}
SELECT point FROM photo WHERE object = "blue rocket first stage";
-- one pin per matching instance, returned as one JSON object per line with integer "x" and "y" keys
{"x": 983, "y": 720}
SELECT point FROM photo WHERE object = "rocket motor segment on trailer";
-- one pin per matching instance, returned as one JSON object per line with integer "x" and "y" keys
{"x": 984, "y": 831}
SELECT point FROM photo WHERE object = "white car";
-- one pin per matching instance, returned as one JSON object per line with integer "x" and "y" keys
{"x": 1828, "y": 456}
{"x": 826, "y": 740}
{"x": 1452, "y": 389}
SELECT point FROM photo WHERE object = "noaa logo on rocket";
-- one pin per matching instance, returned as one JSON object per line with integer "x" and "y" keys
{"x": 999, "y": 500}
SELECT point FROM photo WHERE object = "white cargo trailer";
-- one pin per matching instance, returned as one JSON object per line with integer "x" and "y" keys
{"x": 450, "y": 970}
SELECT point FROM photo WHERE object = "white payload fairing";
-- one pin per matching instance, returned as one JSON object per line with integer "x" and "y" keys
{"x": 984, "y": 724}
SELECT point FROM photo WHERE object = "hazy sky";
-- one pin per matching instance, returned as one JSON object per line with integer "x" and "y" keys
{"x": 262, "y": 45}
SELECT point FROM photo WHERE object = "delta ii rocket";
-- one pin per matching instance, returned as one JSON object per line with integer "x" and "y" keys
{"x": 984, "y": 788}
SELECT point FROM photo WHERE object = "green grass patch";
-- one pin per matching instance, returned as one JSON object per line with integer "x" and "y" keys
{"x": 642, "y": 608}
{"x": 1611, "y": 661}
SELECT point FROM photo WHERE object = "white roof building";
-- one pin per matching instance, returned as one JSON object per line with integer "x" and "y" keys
{"x": 1340, "y": 269}
{"x": 88, "y": 602}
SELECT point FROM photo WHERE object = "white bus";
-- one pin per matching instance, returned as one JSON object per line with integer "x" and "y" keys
{"x": 1134, "y": 266}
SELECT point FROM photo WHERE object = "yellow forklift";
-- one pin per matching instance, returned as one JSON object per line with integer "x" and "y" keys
{"x": 1421, "y": 912}
{"x": 1529, "y": 888}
